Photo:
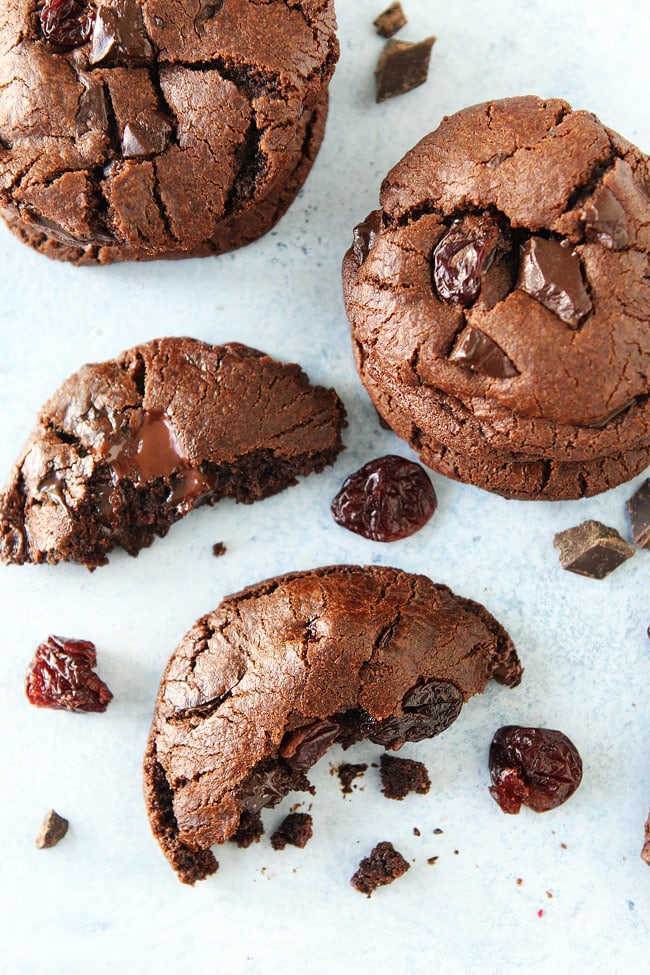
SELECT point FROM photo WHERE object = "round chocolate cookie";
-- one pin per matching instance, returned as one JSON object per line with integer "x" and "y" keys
{"x": 258, "y": 690}
{"x": 500, "y": 300}
{"x": 139, "y": 129}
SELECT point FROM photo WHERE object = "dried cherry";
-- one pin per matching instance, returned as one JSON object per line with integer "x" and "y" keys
{"x": 386, "y": 499}
{"x": 429, "y": 709}
{"x": 535, "y": 767}
{"x": 464, "y": 254}
{"x": 66, "y": 23}
{"x": 60, "y": 676}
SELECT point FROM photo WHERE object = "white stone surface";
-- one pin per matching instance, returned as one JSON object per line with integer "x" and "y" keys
{"x": 105, "y": 899}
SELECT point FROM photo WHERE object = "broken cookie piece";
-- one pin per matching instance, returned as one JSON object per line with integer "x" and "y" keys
{"x": 51, "y": 831}
{"x": 384, "y": 865}
{"x": 592, "y": 549}
{"x": 390, "y": 21}
{"x": 126, "y": 448}
{"x": 296, "y": 829}
{"x": 399, "y": 776}
{"x": 401, "y": 67}
{"x": 638, "y": 508}
{"x": 347, "y": 773}
{"x": 258, "y": 690}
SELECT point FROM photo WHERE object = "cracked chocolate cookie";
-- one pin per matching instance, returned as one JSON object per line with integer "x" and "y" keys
{"x": 259, "y": 689}
{"x": 126, "y": 448}
{"x": 139, "y": 129}
{"x": 500, "y": 300}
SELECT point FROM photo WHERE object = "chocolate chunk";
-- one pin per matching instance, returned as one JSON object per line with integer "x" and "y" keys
{"x": 383, "y": 866}
{"x": 401, "y": 67}
{"x": 606, "y": 221}
{"x": 478, "y": 352}
{"x": 639, "y": 511}
{"x": 364, "y": 234}
{"x": 592, "y": 549}
{"x": 347, "y": 773}
{"x": 303, "y": 747}
{"x": 295, "y": 829}
{"x": 390, "y": 21}
{"x": 550, "y": 272}
{"x": 218, "y": 549}
{"x": 147, "y": 135}
{"x": 51, "y": 831}
{"x": 119, "y": 34}
{"x": 463, "y": 256}
{"x": 399, "y": 776}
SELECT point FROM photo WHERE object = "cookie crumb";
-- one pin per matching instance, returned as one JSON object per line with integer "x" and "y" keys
{"x": 347, "y": 773}
{"x": 51, "y": 831}
{"x": 432, "y": 860}
{"x": 519, "y": 882}
{"x": 437, "y": 831}
{"x": 401, "y": 67}
{"x": 219, "y": 549}
{"x": 295, "y": 829}
{"x": 384, "y": 865}
{"x": 399, "y": 776}
{"x": 416, "y": 831}
{"x": 390, "y": 20}
{"x": 250, "y": 830}
{"x": 645, "y": 852}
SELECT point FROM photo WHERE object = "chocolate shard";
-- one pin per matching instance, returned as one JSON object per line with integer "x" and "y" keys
{"x": 119, "y": 34}
{"x": 605, "y": 220}
{"x": 638, "y": 508}
{"x": 550, "y": 272}
{"x": 401, "y": 67}
{"x": 147, "y": 135}
{"x": 478, "y": 352}
{"x": 390, "y": 20}
{"x": 592, "y": 549}
{"x": 51, "y": 831}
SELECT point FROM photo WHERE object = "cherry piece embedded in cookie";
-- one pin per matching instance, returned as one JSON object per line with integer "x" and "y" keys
{"x": 66, "y": 23}
{"x": 60, "y": 676}
{"x": 385, "y": 500}
{"x": 303, "y": 747}
{"x": 464, "y": 254}
{"x": 550, "y": 272}
{"x": 429, "y": 708}
{"x": 536, "y": 767}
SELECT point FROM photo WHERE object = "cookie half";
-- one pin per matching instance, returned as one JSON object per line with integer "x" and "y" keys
{"x": 257, "y": 691}
{"x": 503, "y": 287}
{"x": 126, "y": 448}
{"x": 133, "y": 130}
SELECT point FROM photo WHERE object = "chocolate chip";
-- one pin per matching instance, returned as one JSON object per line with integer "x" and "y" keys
{"x": 401, "y": 67}
{"x": 119, "y": 34}
{"x": 550, "y": 272}
{"x": 638, "y": 508}
{"x": 51, "y": 831}
{"x": 606, "y": 220}
{"x": 592, "y": 549}
{"x": 390, "y": 21}
{"x": 147, "y": 135}
{"x": 477, "y": 351}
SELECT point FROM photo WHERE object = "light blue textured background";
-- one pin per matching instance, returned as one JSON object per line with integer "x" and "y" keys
{"x": 105, "y": 899}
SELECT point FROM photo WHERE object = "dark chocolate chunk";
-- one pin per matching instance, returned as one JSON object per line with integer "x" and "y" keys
{"x": 303, "y": 747}
{"x": 605, "y": 220}
{"x": 463, "y": 256}
{"x": 399, "y": 776}
{"x": 401, "y": 67}
{"x": 550, "y": 272}
{"x": 119, "y": 34}
{"x": 638, "y": 508}
{"x": 477, "y": 351}
{"x": 147, "y": 135}
{"x": 383, "y": 866}
{"x": 347, "y": 773}
{"x": 51, "y": 831}
{"x": 390, "y": 21}
{"x": 296, "y": 829}
{"x": 592, "y": 549}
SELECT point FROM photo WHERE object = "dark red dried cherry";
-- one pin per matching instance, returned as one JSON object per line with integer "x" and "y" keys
{"x": 303, "y": 747}
{"x": 535, "y": 767}
{"x": 429, "y": 709}
{"x": 464, "y": 254}
{"x": 66, "y": 23}
{"x": 387, "y": 499}
{"x": 61, "y": 676}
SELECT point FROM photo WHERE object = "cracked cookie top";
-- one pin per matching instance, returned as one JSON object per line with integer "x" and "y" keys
{"x": 257, "y": 691}
{"x": 509, "y": 263}
{"x": 140, "y": 126}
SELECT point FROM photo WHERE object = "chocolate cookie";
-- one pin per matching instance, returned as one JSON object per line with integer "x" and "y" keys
{"x": 125, "y": 448}
{"x": 258, "y": 690}
{"x": 137, "y": 129}
{"x": 499, "y": 300}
